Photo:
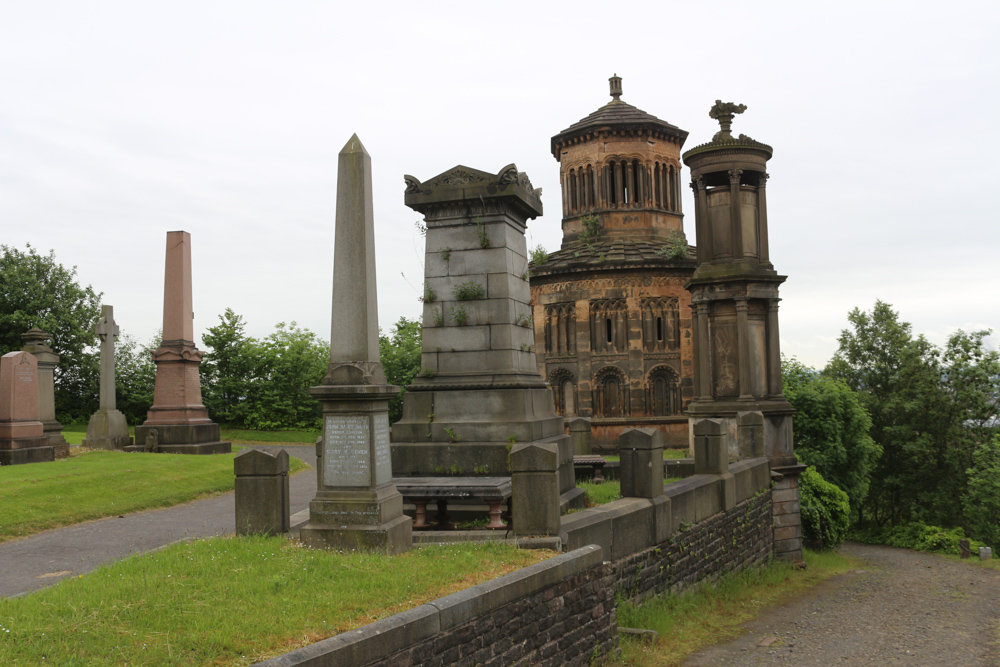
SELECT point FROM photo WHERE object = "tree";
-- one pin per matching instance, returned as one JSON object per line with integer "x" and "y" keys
{"x": 831, "y": 429}
{"x": 826, "y": 512}
{"x": 982, "y": 499}
{"x": 229, "y": 369}
{"x": 40, "y": 292}
{"x": 291, "y": 361}
{"x": 400, "y": 353}
{"x": 135, "y": 376}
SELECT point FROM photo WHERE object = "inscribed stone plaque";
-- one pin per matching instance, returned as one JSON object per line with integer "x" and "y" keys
{"x": 346, "y": 452}
{"x": 383, "y": 461}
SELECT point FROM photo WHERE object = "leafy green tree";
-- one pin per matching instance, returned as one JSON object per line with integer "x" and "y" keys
{"x": 39, "y": 292}
{"x": 400, "y": 354}
{"x": 230, "y": 369}
{"x": 135, "y": 376}
{"x": 291, "y": 360}
{"x": 831, "y": 429}
{"x": 982, "y": 498}
{"x": 825, "y": 509}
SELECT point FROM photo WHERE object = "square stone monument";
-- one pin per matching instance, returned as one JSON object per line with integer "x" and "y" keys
{"x": 107, "y": 428}
{"x": 356, "y": 505}
{"x": 479, "y": 393}
{"x": 22, "y": 435}
{"x": 178, "y": 422}
{"x": 36, "y": 345}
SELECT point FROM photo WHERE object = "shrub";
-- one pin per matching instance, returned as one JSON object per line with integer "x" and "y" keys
{"x": 468, "y": 291}
{"x": 982, "y": 496}
{"x": 539, "y": 255}
{"x": 826, "y": 511}
{"x": 916, "y": 535}
{"x": 676, "y": 246}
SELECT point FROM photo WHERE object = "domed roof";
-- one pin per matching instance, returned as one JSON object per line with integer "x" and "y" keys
{"x": 616, "y": 115}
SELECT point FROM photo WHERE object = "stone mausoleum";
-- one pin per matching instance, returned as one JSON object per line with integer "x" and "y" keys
{"x": 611, "y": 316}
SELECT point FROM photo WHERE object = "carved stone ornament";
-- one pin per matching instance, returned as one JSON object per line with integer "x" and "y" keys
{"x": 734, "y": 175}
{"x": 508, "y": 175}
{"x": 724, "y": 112}
{"x": 412, "y": 184}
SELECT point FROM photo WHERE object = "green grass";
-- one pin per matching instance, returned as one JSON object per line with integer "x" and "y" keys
{"x": 232, "y": 601}
{"x": 75, "y": 433}
{"x": 602, "y": 493}
{"x": 40, "y": 496}
{"x": 667, "y": 454}
{"x": 712, "y": 614}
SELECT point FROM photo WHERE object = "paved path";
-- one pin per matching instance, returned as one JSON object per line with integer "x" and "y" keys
{"x": 43, "y": 559}
{"x": 903, "y": 608}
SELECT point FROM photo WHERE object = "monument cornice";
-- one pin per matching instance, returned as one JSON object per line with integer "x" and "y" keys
{"x": 466, "y": 185}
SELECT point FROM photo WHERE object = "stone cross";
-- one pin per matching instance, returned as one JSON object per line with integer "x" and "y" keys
{"x": 107, "y": 329}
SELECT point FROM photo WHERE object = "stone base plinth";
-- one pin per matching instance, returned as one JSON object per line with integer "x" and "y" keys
{"x": 392, "y": 537}
{"x": 34, "y": 449}
{"x": 53, "y": 431}
{"x": 107, "y": 430}
{"x": 180, "y": 439}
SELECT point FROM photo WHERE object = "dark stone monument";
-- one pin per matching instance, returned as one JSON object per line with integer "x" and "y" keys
{"x": 641, "y": 462}
{"x": 262, "y": 505}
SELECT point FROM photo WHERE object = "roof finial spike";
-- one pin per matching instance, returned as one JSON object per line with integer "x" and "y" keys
{"x": 616, "y": 86}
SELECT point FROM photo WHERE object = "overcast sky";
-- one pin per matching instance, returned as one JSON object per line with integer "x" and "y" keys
{"x": 121, "y": 121}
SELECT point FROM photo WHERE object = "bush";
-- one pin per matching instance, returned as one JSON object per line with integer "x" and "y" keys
{"x": 916, "y": 535}
{"x": 826, "y": 511}
{"x": 982, "y": 496}
{"x": 468, "y": 291}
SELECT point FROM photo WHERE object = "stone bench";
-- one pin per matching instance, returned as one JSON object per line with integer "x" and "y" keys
{"x": 592, "y": 461}
{"x": 493, "y": 491}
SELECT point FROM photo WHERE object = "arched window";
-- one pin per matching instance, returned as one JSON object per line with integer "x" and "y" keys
{"x": 611, "y": 393}
{"x": 563, "y": 391}
{"x": 663, "y": 394}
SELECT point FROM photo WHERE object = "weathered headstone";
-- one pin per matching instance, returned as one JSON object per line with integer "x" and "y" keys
{"x": 262, "y": 503}
{"x": 35, "y": 344}
{"x": 22, "y": 436}
{"x": 177, "y": 413}
{"x": 535, "y": 488}
{"x": 579, "y": 433}
{"x": 107, "y": 428}
{"x": 985, "y": 553}
{"x": 356, "y": 504}
{"x": 964, "y": 549}
{"x": 641, "y": 462}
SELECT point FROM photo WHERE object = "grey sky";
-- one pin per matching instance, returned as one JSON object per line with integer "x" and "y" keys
{"x": 122, "y": 121}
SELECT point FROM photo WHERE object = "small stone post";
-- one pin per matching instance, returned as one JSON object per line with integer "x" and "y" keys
{"x": 108, "y": 428}
{"x": 750, "y": 434}
{"x": 535, "y": 488}
{"x": 356, "y": 505}
{"x": 711, "y": 451}
{"x": 34, "y": 343}
{"x": 262, "y": 506}
{"x": 579, "y": 431}
{"x": 641, "y": 462}
{"x": 22, "y": 436}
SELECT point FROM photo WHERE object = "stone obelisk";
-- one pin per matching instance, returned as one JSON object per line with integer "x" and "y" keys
{"x": 356, "y": 505}
{"x": 178, "y": 422}
{"x": 108, "y": 428}
{"x": 35, "y": 344}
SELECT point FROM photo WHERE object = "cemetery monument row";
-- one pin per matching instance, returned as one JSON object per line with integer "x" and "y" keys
{"x": 35, "y": 344}
{"x": 356, "y": 504}
{"x": 177, "y": 416}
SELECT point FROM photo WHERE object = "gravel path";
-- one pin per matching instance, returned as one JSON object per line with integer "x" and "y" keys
{"x": 903, "y": 608}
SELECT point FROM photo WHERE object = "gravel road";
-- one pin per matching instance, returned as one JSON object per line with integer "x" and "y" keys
{"x": 903, "y": 608}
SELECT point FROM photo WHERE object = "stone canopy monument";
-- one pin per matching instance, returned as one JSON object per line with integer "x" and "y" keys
{"x": 22, "y": 436}
{"x": 479, "y": 393}
{"x": 35, "y": 344}
{"x": 738, "y": 403}
{"x": 178, "y": 422}
{"x": 356, "y": 504}
{"x": 108, "y": 428}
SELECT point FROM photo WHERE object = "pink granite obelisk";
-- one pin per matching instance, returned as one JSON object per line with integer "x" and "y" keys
{"x": 178, "y": 422}
{"x": 22, "y": 435}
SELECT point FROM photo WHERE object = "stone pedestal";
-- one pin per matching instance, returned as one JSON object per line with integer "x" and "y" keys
{"x": 35, "y": 344}
{"x": 641, "y": 462}
{"x": 711, "y": 447}
{"x": 22, "y": 436}
{"x": 579, "y": 432}
{"x": 356, "y": 505}
{"x": 785, "y": 510}
{"x": 535, "y": 488}
{"x": 177, "y": 413}
{"x": 262, "y": 504}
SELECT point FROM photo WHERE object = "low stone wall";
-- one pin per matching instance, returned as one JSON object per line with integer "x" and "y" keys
{"x": 558, "y": 612}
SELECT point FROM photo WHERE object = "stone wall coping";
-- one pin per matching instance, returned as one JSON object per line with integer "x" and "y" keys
{"x": 389, "y": 635}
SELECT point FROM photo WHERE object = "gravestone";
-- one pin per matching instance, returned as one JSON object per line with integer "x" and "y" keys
{"x": 35, "y": 344}
{"x": 985, "y": 553}
{"x": 107, "y": 428}
{"x": 177, "y": 413}
{"x": 356, "y": 504}
{"x": 641, "y": 462}
{"x": 262, "y": 503}
{"x": 22, "y": 435}
{"x": 479, "y": 392}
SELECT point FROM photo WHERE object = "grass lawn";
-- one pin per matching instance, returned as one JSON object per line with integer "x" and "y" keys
{"x": 667, "y": 454}
{"x": 95, "y": 484}
{"x": 709, "y": 615}
{"x": 608, "y": 491}
{"x": 233, "y": 601}
{"x": 75, "y": 433}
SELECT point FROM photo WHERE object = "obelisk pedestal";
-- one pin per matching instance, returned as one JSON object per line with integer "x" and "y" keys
{"x": 35, "y": 344}
{"x": 356, "y": 505}
{"x": 22, "y": 436}
{"x": 108, "y": 428}
{"x": 177, "y": 416}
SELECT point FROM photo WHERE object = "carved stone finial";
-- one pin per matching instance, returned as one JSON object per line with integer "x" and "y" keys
{"x": 616, "y": 86}
{"x": 724, "y": 112}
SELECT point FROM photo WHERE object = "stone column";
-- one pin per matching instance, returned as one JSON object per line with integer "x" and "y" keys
{"x": 22, "y": 436}
{"x": 765, "y": 253}
{"x": 108, "y": 428}
{"x": 357, "y": 507}
{"x": 743, "y": 340}
{"x": 703, "y": 226}
{"x": 177, "y": 415}
{"x": 34, "y": 343}
{"x": 703, "y": 351}
{"x": 774, "y": 388}
{"x": 735, "y": 211}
